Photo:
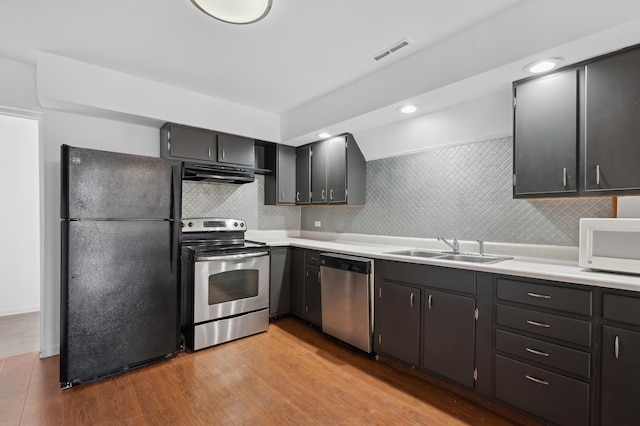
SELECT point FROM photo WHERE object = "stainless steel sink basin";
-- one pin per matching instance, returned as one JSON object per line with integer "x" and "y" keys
{"x": 417, "y": 253}
{"x": 461, "y": 257}
{"x": 474, "y": 258}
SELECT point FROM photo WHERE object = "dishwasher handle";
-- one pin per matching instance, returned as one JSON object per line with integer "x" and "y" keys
{"x": 346, "y": 263}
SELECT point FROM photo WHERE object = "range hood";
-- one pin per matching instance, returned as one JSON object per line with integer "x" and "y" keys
{"x": 216, "y": 173}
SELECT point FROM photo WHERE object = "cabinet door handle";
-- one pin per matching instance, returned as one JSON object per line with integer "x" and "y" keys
{"x": 616, "y": 347}
{"x": 430, "y": 302}
{"x": 535, "y": 352}
{"x": 564, "y": 177}
{"x": 282, "y": 196}
{"x": 318, "y": 275}
{"x": 331, "y": 194}
{"x": 298, "y": 196}
{"x": 323, "y": 194}
{"x": 538, "y": 381}
{"x": 598, "y": 174}
{"x": 411, "y": 300}
{"x": 223, "y": 154}
{"x": 209, "y": 152}
{"x": 538, "y": 324}
{"x": 539, "y": 296}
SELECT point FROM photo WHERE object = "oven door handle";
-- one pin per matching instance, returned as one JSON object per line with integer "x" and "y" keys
{"x": 232, "y": 256}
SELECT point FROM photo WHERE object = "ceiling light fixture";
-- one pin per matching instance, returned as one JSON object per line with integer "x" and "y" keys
{"x": 543, "y": 66}
{"x": 408, "y": 109}
{"x": 323, "y": 135}
{"x": 235, "y": 11}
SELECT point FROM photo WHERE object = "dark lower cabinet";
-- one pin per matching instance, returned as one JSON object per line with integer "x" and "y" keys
{"x": 298, "y": 273}
{"x": 554, "y": 397}
{"x": 305, "y": 301}
{"x": 280, "y": 281}
{"x": 620, "y": 377}
{"x": 397, "y": 310}
{"x": 313, "y": 295}
{"x": 448, "y": 337}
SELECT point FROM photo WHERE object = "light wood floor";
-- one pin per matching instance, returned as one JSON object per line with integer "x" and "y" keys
{"x": 19, "y": 334}
{"x": 292, "y": 374}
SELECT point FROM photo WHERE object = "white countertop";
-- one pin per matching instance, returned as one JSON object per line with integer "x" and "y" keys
{"x": 553, "y": 263}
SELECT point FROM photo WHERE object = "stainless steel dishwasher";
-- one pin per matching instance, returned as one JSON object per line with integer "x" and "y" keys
{"x": 347, "y": 288}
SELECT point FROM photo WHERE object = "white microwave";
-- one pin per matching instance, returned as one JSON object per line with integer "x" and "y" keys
{"x": 610, "y": 245}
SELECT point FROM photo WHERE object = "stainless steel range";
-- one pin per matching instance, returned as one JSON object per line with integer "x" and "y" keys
{"x": 225, "y": 282}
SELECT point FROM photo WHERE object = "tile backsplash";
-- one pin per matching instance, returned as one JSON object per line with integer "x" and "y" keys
{"x": 462, "y": 191}
{"x": 200, "y": 199}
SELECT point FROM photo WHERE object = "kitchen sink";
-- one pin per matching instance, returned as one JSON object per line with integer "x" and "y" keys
{"x": 460, "y": 257}
{"x": 417, "y": 253}
{"x": 474, "y": 258}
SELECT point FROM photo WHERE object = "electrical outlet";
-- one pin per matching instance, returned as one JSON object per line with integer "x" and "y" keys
{"x": 317, "y": 224}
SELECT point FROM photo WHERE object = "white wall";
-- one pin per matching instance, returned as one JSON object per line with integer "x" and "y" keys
{"x": 20, "y": 190}
{"x": 480, "y": 119}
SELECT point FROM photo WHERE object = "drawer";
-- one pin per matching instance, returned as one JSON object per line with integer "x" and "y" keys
{"x": 543, "y": 324}
{"x": 554, "y": 397}
{"x": 547, "y": 296}
{"x": 621, "y": 308}
{"x": 545, "y": 353}
{"x": 312, "y": 257}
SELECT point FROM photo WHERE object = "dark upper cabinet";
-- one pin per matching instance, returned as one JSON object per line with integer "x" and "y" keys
{"x": 303, "y": 175}
{"x": 337, "y": 169}
{"x": 397, "y": 321}
{"x": 593, "y": 104}
{"x": 280, "y": 184}
{"x": 448, "y": 343}
{"x": 187, "y": 143}
{"x": 546, "y": 136}
{"x": 200, "y": 145}
{"x": 319, "y": 193}
{"x": 620, "y": 376}
{"x": 612, "y": 127}
{"x": 338, "y": 172}
{"x": 235, "y": 149}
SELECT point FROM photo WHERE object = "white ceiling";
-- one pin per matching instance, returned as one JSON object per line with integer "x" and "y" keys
{"x": 306, "y": 56}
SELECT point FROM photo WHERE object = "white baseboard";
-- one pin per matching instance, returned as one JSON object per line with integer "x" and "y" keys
{"x": 20, "y": 310}
{"x": 50, "y": 351}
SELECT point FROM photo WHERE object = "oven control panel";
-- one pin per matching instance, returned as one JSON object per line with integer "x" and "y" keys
{"x": 203, "y": 224}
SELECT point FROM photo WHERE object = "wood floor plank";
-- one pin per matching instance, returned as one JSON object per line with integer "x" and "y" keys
{"x": 16, "y": 374}
{"x": 11, "y": 409}
{"x": 292, "y": 374}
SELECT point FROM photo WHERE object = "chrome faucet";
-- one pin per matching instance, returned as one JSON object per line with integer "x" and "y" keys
{"x": 480, "y": 247}
{"x": 455, "y": 246}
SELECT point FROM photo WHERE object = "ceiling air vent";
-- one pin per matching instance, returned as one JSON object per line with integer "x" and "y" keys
{"x": 392, "y": 49}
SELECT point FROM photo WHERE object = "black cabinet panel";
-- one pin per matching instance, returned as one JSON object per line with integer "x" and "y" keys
{"x": 337, "y": 169}
{"x": 280, "y": 184}
{"x": 546, "y": 135}
{"x": 613, "y": 123}
{"x": 449, "y": 279}
{"x": 620, "y": 377}
{"x": 543, "y": 324}
{"x": 398, "y": 322}
{"x": 313, "y": 295}
{"x": 621, "y": 308}
{"x": 298, "y": 274}
{"x": 235, "y": 149}
{"x": 546, "y": 296}
{"x": 280, "y": 281}
{"x": 552, "y": 396}
{"x": 319, "y": 193}
{"x": 545, "y": 353}
{"x": 303, "y": 175}
{"x": 190, "y": 143}
{"x": 448, "y": 340}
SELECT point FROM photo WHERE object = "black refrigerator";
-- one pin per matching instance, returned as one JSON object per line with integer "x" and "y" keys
{"x": 119, "y": 273}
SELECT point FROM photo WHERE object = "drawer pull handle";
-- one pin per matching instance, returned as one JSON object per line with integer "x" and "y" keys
{"x": 616, "y": 347}
{"x": 538, "y": 324}
{"x": 538, "y": 381}
{"x": 535, "y": 352}
{"x": 539, "y": 296}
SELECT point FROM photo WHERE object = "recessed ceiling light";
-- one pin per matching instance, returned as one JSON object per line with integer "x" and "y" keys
{"x": 235, "y": 11}
{"x": 323, "y": 135}
{"x": 543, "y": 66}
{"x": 408, "y": 109}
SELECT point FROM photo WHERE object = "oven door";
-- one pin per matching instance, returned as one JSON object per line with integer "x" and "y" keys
{"x": 230, "y": 285}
